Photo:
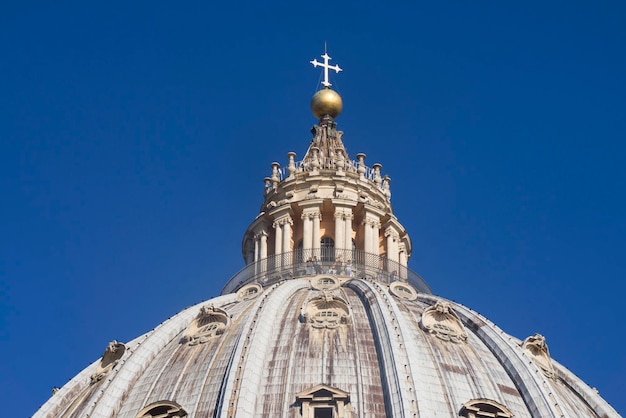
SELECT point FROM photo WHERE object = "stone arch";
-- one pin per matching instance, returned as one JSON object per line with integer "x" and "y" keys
{"x": 484, "y": 408}
{"x": 163, "y": 409}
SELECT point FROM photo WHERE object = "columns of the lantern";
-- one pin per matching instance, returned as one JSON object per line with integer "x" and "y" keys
{"x": 340, "y": 231}
{"x": 278, "y": 233}
{"x": 287, "y": 222}
{"x": 371, "y": 233}
{"x": 403, "y": 260}
{"x": 282, "y": 238}
{"x": 317, "y": 217}
{"x": 311, "y": 215}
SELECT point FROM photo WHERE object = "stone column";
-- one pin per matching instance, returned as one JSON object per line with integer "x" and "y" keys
{"x": 263, "y": 238}
{"x": 287, "y": 222}
{"x": 372, "y": 231}
{"x": 278, "y": 235}
{"x": 260, "y": 245}
{"x": 348, "y": 235}
{"x": 402, "y": 260}
{"x": 307, "y": 234}
{"x": 317, "y": 217}
{"x": 340, "y": 231}
{"x": 311, "y": 227}
{"x": 371, "y": 223}
{"x": 392, "y": 243}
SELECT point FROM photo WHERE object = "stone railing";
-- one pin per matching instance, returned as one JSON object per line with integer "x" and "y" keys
{"x": 331, "y": 261}
{"x": 322, "y": 164}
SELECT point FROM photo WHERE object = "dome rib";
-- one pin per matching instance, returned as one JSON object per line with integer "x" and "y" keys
{"x": 141, "y": 355}
{"x": 248, "y": 362}
{"x": 511, "y": 357}
{"x": 401, "y": 397}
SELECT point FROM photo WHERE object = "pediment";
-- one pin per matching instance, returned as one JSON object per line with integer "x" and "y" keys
{"x": 322, "y": 392}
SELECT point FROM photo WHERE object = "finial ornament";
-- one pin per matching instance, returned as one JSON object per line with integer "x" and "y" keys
{"x": 326, "y": 66}
{"x": 326, "y": 102}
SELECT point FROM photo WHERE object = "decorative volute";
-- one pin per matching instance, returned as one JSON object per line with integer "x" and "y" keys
{"x": 326, "y": 209}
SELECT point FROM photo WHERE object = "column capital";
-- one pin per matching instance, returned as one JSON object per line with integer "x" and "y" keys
{"x": 261, "y": 234}
{"x": 312, "y": 214}
{"x": 286, "y": 219}
{"x": 391, "y": 232}
{"x": 374, "y": 223}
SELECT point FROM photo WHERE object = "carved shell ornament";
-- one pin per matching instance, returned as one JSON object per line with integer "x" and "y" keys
{"x": 441, "y": 321}
{"x": 535, "y": 346}
{"x": 326, "y": 311}
{"x": 211, "y": 322}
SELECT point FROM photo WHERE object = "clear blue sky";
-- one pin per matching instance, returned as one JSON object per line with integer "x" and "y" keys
{"x": 134, "y": 139}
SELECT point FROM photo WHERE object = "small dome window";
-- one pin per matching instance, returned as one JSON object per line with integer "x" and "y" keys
{"x": 163, "y": 409}
{"x": 484, "y": 408}
{"x": 403, "y": 291}
{"x": 250, "y": 291}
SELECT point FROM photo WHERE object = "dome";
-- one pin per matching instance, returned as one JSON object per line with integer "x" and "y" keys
{"x": 326, "y": 102}
{"x": 326, "y": 320}
{"x": 331, "y": 341}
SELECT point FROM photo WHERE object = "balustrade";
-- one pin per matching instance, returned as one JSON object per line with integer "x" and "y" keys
{"x": 332, "y": 261}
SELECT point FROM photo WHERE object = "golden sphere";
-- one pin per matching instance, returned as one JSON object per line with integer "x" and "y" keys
{"x": 326, "y": 102}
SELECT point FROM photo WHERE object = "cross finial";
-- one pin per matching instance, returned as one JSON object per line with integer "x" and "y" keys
{"x": 326, "y": 67}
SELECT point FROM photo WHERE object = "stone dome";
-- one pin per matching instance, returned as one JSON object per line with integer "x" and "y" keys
{"x": 355, "y": 346}
{"x": 326, "y": 320}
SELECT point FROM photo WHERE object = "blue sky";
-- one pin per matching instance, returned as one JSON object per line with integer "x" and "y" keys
{"x": 134, "y": 139}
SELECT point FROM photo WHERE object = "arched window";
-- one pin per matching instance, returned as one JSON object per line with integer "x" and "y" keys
{"x": 327, "y": 245}
{"x": 299, "y": 256}
{"x": 484, "y": 408}
{"x": 162, "y": 409}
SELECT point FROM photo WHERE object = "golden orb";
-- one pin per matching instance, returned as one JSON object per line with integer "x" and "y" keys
{"x": 326, "y": 102}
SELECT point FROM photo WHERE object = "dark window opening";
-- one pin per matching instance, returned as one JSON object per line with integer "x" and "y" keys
{"x": 323, "y": 413}
{"x": 328, "y": 249}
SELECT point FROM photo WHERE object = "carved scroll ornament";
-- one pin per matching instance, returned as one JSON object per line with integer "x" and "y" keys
{"x": 441, "y": 321}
